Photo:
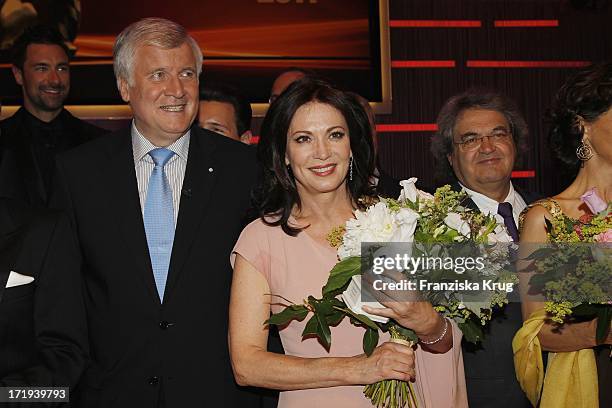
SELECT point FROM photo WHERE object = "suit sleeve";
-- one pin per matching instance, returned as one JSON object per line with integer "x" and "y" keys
{"x": 59, "y": 315}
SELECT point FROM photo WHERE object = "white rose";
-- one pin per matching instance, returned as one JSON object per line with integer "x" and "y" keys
{"x": 406, "y": 221}
{"x": 376, "y": 224}
{"x": 410, "y": 193}
{"x": 409, "y": 190}
{"x": 454, "y": 221}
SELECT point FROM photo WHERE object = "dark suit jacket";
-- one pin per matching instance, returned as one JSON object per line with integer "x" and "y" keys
{"x": 528, "y": 196}
{"x": 138, "y": 345}
{"x": 42, "y": 335}
{"x": 388, "y": 186}
{"x": 489, "y": 366}
{"x": 20, "y": 174}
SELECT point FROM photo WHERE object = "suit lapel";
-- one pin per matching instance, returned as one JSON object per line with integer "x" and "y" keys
{"x": 125, "y": 206}
{"x": 196, "y": 193}
{"x": 10, "y": 242}
{"x": 467, "y": 202}
{"x": 9, "y": 246}
{"x": 27, "y": 169}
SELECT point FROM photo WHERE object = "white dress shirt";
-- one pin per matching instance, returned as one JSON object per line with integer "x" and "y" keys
{"x": 489, "y": 206}
{"x": 174, "y": 168}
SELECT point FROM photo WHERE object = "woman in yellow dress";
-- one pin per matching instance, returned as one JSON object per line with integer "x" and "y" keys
{"x": 581, "y": 137}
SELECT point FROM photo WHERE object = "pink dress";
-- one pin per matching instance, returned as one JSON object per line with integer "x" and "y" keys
{"x": 296, "y": 267}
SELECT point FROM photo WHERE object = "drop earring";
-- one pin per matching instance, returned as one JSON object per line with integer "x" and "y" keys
{"x": 351, "y": 168}
{"x": 584, "y": 151}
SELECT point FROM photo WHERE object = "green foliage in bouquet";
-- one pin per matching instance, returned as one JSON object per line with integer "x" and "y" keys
{"x": 415, "y": 217}
{"x": 574, "y": 272}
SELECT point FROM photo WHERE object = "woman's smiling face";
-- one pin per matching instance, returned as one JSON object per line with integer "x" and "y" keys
{"x": 318, "y": 148}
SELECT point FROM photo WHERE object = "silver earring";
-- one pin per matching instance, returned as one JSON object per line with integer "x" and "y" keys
{"x": 351, "y": 168}
{"x": 584, "y": 151}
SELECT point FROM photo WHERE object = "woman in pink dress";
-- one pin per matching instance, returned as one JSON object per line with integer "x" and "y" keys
{"x": 316, "y": 149}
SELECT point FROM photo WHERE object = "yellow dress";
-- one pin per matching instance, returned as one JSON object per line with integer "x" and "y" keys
{"x": 571, "y": 377}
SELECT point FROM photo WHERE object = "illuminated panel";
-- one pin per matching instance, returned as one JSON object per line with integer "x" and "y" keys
{"x": 423, "y": 64}
{"x": 525, "y": 23}
{"x": 523, "y": 174}
{"x": 435, "y": 23}
{"x": 407, "y": 127}
{"x": 525, "y": 64}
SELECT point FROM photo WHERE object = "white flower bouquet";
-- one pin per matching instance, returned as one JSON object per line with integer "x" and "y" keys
{"x": 431, "y": 224}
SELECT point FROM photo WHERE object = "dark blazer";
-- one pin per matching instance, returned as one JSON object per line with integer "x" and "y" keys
{"x": 489, "y": 366}
{"x": 387, "y": 186}
{"x": 142, "y": 350}
{"x": 42, "y": 335}
{"x": 20, "y": 174}
{"x": 528, "y": 196}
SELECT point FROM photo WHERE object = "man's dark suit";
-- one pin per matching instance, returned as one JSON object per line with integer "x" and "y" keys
{"x": 42, "y": 335}
{"x": 26, "y": 157}
{"x": 388, "y": 186}
{"x": 143, "y": 350}
{"x": 489, "y": 366}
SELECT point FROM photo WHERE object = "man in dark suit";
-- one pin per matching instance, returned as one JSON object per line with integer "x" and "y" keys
{"x": 41, "y": 128}
{"x": 479, "y": 134}
{"x": 42, "y": 335}
{"x": 157, "y": 209}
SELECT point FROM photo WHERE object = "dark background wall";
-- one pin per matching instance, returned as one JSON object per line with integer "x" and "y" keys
{"x": 583, "y": 33}
{"x": 438, "y": 48}
{"x": 560, "y": 35}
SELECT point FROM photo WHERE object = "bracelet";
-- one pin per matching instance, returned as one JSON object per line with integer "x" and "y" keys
{"x": 429, "y": 343}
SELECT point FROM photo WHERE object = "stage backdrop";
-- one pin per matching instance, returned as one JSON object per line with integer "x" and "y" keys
{"x": 525, "y": 48}
{"x": 245, "y": 42}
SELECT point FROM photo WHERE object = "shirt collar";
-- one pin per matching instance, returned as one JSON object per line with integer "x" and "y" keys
{"x": 55, "y": 123}
{"x": 141, "y": 146}
{"x": 483, "y": 202}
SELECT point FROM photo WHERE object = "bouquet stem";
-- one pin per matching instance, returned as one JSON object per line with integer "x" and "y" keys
{"x": 393, "y": 393}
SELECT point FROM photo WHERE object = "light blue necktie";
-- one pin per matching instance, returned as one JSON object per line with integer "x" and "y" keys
{"x": 159, "y": 219}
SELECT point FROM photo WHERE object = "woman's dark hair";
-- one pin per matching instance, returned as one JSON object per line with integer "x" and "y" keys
{"x": 278, "y": 193}
{"x": 585, "y": 96}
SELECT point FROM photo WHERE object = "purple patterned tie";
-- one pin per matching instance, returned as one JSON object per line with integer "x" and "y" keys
{"x": 505, "y": 210}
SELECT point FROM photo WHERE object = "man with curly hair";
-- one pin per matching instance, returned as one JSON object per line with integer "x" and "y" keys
{"x": 479, "y": 135}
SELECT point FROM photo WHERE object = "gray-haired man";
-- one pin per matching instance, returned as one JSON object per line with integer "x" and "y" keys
{"x": 157, "y": 208}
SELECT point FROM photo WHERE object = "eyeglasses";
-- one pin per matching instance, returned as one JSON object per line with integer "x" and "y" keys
{"x": 473, "y": 141}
